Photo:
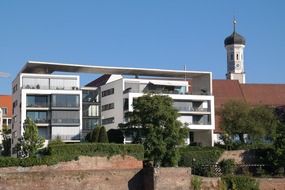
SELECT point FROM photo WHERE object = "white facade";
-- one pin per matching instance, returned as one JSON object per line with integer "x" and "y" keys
{"x": 52, "y": 101}
{"x": 196, "y": 108}
{"x": 235, "y": 62}
{"x": 1, "y": 125}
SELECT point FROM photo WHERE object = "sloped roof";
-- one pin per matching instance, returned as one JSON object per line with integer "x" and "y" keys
{"x": 264, "y": 94}
{"x": 6, "y": 102}
{"x": 99, "y": 81}
{"x": 253, "y": 94}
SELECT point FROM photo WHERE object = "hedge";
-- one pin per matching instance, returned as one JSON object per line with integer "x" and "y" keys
{"x": 98, "y": 149}
{"x": 199, "y": 159}
{"x": 67, "y": 152}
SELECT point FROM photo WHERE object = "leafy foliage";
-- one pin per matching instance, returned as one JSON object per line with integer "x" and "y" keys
{"x": 67, "y": 152}
{"x": 227, "y": 166}
{"x": 199, "y": 159}
{"x": 31, "y": 140}
{"x": 196, "y": 182}
{"x": 240, "y": 182}
{"x": 165, "y": 132}
{"x": 115, "y": 136}
{"x": 6, "y": 142}
{"x": 103, "y": 137}
{"x": 238, "y": 119}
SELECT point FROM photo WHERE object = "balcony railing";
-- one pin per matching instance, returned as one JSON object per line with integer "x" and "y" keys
{"x": 45, "y": 87}
{"x": 66, "y": 137}
{"x": 191, "y": 109}
{"x": 66, "y": 121}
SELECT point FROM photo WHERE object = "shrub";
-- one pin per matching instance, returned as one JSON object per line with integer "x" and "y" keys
{"x": 196, "y": 182}
{"x": 103, "y": 138}
{"x": 95, "y": 134}
{"x": 199, "y": 158}
{"x": 227, "y": 166}
{"x": 115, "y": 136}
{"x": 98, "y": 149}
{"x": 240, "y": 182}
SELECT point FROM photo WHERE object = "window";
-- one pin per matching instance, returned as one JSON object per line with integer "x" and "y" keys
{"x": 38, "y": 116}
{"x": 90, "y": 96}
{"x": 90, "y": 110}
{"x": 64, "y": 100}
{"x": 37, "y": 101}
{"x": 90, "y": 123}
{"x": 15, "y": 88}
{"x": 232, "y": 57}
{"x": 237, "y": 56}
{"x": 108, "y": 92}
{"x": 65, "y": 117}
{"x": 108, "y": 120}
{"x": 108, "y": 107}
{"x": 4, "y": 111}
{"x": 126, "y": 104}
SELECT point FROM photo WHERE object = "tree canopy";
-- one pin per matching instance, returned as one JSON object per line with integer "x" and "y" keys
{"x": 31, "y": 141}
{"x": 258, "y": 122}
{"x": 163, "y": 132}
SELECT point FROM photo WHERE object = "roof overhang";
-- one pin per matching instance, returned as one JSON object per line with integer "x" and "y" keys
{"x": 48, "y": 68}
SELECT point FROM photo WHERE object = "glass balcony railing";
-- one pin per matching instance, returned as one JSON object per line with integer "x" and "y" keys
{"x": 66, "y": 121}
{"x": 66, "y": 137}
{"x": 191, "y": 109}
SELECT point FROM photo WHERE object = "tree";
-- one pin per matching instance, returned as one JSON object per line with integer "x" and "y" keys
{"x": 103, "y": 137}
{"x": 6, "y": 142}
{"x": 164, "y": 132}
{"x": 31, "y": 141}
{"x": 95, "y": 134}
{"x": 263, "y": 123}
{"x": 234, "y": 116}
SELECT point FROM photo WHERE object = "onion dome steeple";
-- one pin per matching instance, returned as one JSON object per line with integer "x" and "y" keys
{"x": 234, "y": 38}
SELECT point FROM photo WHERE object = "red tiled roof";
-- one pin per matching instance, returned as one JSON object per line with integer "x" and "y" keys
{"x": 6, "y": 102}
{"x": 264, "y": 94}
{"x": 253, "y": 94}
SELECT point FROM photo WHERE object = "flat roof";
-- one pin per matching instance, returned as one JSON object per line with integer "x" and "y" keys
{"x": 48, "y": 68}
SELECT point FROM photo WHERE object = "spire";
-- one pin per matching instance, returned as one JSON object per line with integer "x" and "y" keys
{"x": 234, "y": 22}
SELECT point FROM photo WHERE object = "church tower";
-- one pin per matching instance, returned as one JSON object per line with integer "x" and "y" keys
{"x": 234, "y": 45}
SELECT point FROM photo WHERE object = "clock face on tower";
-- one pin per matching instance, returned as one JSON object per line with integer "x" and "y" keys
{"x": 237, "y": 66}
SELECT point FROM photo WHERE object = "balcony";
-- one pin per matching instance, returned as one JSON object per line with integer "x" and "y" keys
{"x": 67, "y": 137}
{"x": 65, "y": 121}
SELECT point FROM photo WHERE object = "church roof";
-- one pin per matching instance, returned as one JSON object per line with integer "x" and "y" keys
{"x": 272, "y": 95}
{"x": 234, "y": 38}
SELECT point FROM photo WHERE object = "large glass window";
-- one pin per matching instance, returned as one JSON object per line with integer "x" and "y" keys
{"x": 108, "y": 92}
{"x": 108, "y": 120}
{"x": 35, "y": 83}
{"x": 90, "y": 123}
{"x": 64, "y": 100}
{"x": 90, "y": 96}
{"x": 4, "y": 111}
{"x": 90, "y": 110}
{"x": 38, "y": 116}
{"x": 108, "y": 107}
{"x": 37, "y": 101}
{"x": 63, "y": 84}
{"x": 65, "y": 117}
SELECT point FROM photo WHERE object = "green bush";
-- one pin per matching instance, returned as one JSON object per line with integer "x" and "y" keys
{"x": 240, "y": 182}
{"x": 196, "y": 182}
{"x": 227, "y": 166}
{"x": 98, "y": 149}
{"x": 199, "y": 159}
{"x": 103, "y": 138}
{"x": 94, "y": 136}
{"x": 67, "y": 152}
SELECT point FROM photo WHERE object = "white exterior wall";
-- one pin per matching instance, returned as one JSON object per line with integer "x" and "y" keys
{"x": 235, "y": 66}
{"x": 117, "y": 99}
{"x": 1, "y": 127}
{"x": 20, "y": 95}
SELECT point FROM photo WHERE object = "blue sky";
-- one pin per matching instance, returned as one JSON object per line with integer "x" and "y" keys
{"x": 163, "y": 34}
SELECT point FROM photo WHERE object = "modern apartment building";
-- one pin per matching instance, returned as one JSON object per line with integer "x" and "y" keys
{"x": 192, "y": 100}
{"x": 61, "y": 108}
{"x": 53, "y": 102}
